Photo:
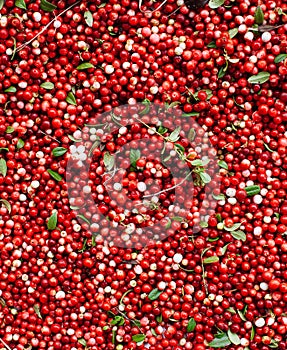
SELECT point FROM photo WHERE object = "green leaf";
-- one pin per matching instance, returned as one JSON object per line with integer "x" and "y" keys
{"x": 214, "y": 4}
{"x": 85, "y": 65}
{"x": 37, "y": 311}
{"x": 153, "y": 332}
{"x": 55, "y": 175}
{"x": 47, "y": 85}
{"x": 59, "y": 151}
{"x": 233, "y": 32}
{"x": 71, "y": 137}
{"x": 135, "y": 155}
{"x": 252, "y": 190}
{"x": 220, "y": 342}
{"x": 223, "y": 164}
{"x": 218, "y": 197}
{"x": 205, "y": 178}
{"x": 239, "y": 235}
{"x": 241, "y": 315}
{"x": 252, "y": 333}
{"x": 234, "y": 227}
{"x": 105, "y": 328}
{"x": 211, "y": 260}
{"x": 3, "y": 167}
{"x": 20, "y": 144}
{"x": 203, "y": 224}
{"x": 118, "y": 320}
{"x": 174, "y": 136}
{"x": 89, "y": 18}
{"x": 21, "y": 4}
{"x": 179, "y": 148}
{"x": 114, "y": 334}
{"x": 47, "y": 6}
{"x": 137, "y": 323}
{"x": 1, "y": 4}
{"x": 211, "y": 45}
{"x": 52, "y": 221}
{"x": 177, "y": 218}
{"x": 154, "y": 294}
{"x": 162, "y": 130}
{"x": 197, "y": 162}
{"x": 233, "y": 337}
{"x": 83, "y": 218}
{"x": 71, "y": 99}
{"x": 281, "y": 57}
{"x": 259, "y": 15}
{"x": 231, "y": 310}
{"x": 146, "y": 103}
{"x": 191, "y": 134}
{"x": 168, "y": 225}
{"x": 4, "y": 149}
{"x": 192, "y": 114}
{"x": 6, "y": 204}
{"x": 11, "y": 89}
{"x": 138, "y": 338}
{"x": 159, "y": 318}
{"x": 109, "y": 161}
{"x": 222, "y": 71}
{"x": 9, "y": 130}
{"x": 82, "y": 341}
{"x": 225, "y": 248}
{"x": 191, "y": 325}
{"x": 260, "y": 78}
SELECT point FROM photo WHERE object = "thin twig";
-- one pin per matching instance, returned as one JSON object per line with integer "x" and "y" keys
{"x": 49, "y": 136}
{"x": 168, "y": 189}
{"x": 6, "y": 346}
{"x": 151, "y": 12}
{"x": 46, "y": 27}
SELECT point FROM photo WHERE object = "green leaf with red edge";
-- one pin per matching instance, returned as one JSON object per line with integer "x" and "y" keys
{"x": 21, "y": 4}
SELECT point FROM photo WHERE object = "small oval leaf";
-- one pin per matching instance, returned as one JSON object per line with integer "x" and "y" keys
{"x": 85, "y": 65}
{"x": 11, "y": 89}
{"x": 21, "y": 4}
{"x": 47, "y": 85}
{"x": 47, "y": 6}
{"x": 3, "y": 167}
{"x": 281, "y": 57}
{"x": 109, "y": 161}
{"x": 52, "y": 221}
{"x": 37, "y": 311}
{"x": 233, "y": 32}
{"x": 89, "y": 18}
{"x": 154, "y": 294}
{"x": 233, "y": 227}
{"x": 20, "y": 144}
{"x": 9, "y": 130}
{"x": 214, "y": 4}
{"x": 55, "y": 175}
{"x": 239, "y": 235}
{"x": 82, "y": 341}
{"x": 259, "y": 15}
{"x": 259, "y": 78}
{"x": 191, "y": 325}
{"x": 233, "y": 337}
{"x": 71, "y": 99}
{"x": 138, "y": 338}
{"x": 6, "y": 204}
{"x": 220, "y": 342}
{"x": 59, "y": 151}
{"x": 252, "y": 190}
{"x": 211, "y": 259}
{"x": 223, "y": 164}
